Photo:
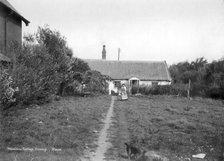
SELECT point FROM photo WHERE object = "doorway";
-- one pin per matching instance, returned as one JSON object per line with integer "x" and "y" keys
{"x": 134, "y": 85}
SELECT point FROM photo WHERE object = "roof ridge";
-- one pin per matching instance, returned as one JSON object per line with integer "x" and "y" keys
{"x": 140, "y": 61}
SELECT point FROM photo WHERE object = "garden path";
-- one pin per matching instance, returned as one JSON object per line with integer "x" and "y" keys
{"x": 103, "y": 143}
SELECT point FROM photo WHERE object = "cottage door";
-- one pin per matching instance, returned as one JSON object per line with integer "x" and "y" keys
{"x": 134, "y": 84}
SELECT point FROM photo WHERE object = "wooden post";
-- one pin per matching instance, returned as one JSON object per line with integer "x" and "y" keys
{"x": 189, "y": 87}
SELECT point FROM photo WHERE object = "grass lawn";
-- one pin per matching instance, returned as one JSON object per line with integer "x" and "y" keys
{"x": 168, "y": 125}
{"x": 68, "y": 124}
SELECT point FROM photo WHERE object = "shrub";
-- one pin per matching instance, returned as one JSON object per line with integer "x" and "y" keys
{"x": 95, "y": 82}
{"x": 43, "y": 66}
{"x": 7, "y": 92}
{"x": 79, "y": 65}
{"x": 215, "y": 92}
{"x": 35, "y": 74}
{"x": 135, "y": 89}
{"x": 40, "y": 65}
{"x": 59, "y": 52}
{"x": 74, "y": 88}
{"x": 207, "y": 79}
{"x": 176, "y": 89}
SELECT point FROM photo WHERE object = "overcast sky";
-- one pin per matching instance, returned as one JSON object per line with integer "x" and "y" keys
{"x": 171, "y": 30}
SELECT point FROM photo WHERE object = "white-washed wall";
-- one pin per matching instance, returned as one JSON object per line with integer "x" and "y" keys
{"x": 146, "y": 83}
{"x": 163, "y": 83}
{"x": 149, "y": 83}
{"x": 111, "y": 86}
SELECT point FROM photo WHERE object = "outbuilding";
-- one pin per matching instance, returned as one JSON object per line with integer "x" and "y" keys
{"x": 10, "y": 26}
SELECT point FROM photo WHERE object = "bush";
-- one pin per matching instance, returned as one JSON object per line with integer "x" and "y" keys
{"x": 135, "y": 89}
{"x": 35, "y": 74}
{"x": 6, "y": 90}
{"x": 176, "y": 89}
{"x": 214, "y": 92}
{"x": 95, "y": 82}
{"x": 197, "y": 89}
{"x": 74, "y": 88}
{"x": 60, "y": 54}
{"x": 207, "y": 79}
{"x": 40, "y": 66}
{"x": 43, "y": 66}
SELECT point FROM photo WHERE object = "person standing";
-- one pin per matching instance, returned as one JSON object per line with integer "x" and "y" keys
{"x": 124, "y": 95}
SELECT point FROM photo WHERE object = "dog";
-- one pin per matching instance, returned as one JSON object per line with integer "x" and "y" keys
{"x": 132, "y": 151}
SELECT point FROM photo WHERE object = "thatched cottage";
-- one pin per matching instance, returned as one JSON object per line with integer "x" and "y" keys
{"x": 131, "y": 73}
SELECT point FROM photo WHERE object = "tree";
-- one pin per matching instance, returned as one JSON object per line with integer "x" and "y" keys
{"x": 207, "y": 78}
{"x": 95, "y": 81}
{"x": 56, "y": 46}
{"x": 198, "y": 63}
{"x": 214, "y": 79}
{"x": 182, "y": 72}
{"x": 41, "y": 65}
{"x": 79, "y": 65}
{"x": 76, "y": 71}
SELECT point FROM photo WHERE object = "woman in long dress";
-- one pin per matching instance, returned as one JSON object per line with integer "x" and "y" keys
{"x": 124, "y": 95}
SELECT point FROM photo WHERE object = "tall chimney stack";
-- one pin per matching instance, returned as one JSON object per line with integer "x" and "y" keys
{"x": 104, "y": 52}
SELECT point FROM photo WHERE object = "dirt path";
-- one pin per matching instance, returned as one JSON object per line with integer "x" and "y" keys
{"x": 123, "y": 129}
{"x": 120, "y": 130}
{"x": 103, "y": 143}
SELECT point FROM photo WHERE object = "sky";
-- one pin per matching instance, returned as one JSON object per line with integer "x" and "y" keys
{"x": 149, "y": 30}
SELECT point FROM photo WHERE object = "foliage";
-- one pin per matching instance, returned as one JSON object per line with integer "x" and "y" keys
{"x": 182, "y": 72}
{"x": 71, "y": 86}
{"x": 214, "y": 79}
{"x": 44, "y": 66}
{"x": 175, "y": 89}
{"x": 91, "y": 81}
{"x": 95, "y": 81}
{"x": 40, "y": 65}
{"x": 6, "y": 90}
{"x": 58, "y": 50}
{"x": 79, "y": 65}
{"x": 35, "y": 74}
{"x": 207, "y": 79}
{"x": 74, "y": 88}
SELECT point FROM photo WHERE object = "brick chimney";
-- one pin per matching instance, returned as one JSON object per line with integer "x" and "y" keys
{"x": 104, "y": 52}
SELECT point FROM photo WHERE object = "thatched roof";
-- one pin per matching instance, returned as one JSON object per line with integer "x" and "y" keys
{"x": 144, "y": 70}
{"x": 4, "y": 58}
{"x": 10, "y": 7}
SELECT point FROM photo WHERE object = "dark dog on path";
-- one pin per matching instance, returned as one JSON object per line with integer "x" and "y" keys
{"x": 132, "y": 151}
